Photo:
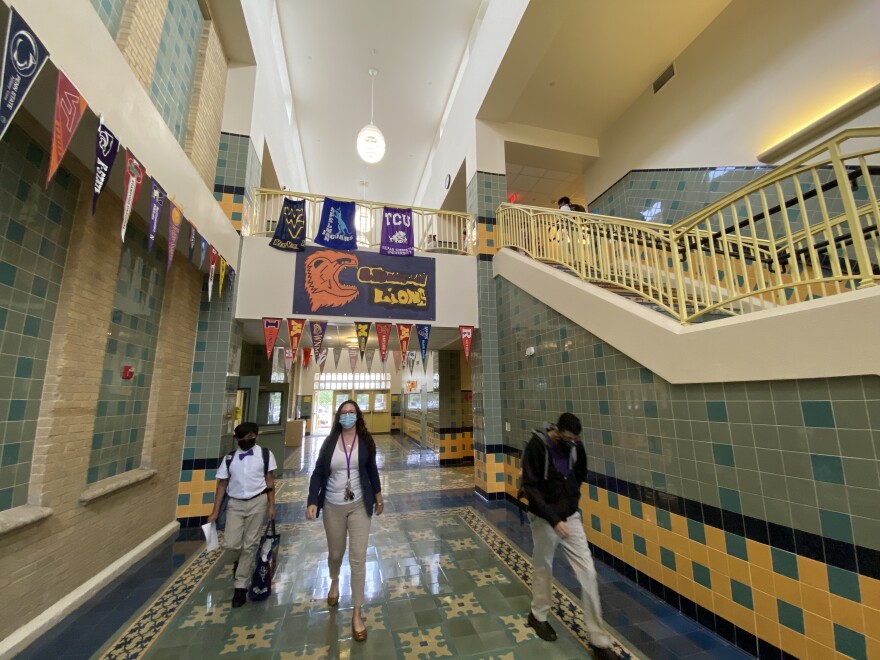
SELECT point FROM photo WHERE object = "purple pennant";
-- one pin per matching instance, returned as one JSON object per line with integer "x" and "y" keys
{"x": 423, "y": 331}
{"x": 192, "y": 240}
{"x": 106, "y": 148}
{"x": 397, "y": 232}
{"x": 175, "y": 220}
{"x": 157, "y": 201}
{"x": 204, "y": 251}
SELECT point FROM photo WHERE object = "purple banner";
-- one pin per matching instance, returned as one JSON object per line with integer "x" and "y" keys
{"x": 106, "y": 148}
{"x": 397, "y": 232}
{"x": 157, "y": 201}
{"x": 337, "y": 228}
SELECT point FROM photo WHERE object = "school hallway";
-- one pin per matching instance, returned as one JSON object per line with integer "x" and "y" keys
{"x": 447, "y": 575}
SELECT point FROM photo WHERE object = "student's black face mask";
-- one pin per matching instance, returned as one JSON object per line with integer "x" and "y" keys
{"x": 246, "y": 443}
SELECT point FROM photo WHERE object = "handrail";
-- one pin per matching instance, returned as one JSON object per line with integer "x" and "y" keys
{"x": 434, "y": 230}
{"x": 796, "y": 233}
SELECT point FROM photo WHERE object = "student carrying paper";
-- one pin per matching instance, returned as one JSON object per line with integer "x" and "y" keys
{"x": 245, "y": 476}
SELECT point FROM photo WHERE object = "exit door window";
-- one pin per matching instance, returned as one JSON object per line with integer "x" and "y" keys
{"x": 363, "y": 401}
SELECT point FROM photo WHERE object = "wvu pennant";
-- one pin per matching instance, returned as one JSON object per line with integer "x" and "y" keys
{"x": 290, "y": 232}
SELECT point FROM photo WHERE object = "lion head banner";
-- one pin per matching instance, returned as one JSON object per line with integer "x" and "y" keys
{"x": 364, "y": 284}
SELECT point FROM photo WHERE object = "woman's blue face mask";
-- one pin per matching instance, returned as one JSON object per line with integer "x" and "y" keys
{"x": 348, "y": 419}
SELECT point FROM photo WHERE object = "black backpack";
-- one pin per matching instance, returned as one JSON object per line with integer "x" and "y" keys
{"x": 577, "y": 207}
{"x": 221, "y": 516}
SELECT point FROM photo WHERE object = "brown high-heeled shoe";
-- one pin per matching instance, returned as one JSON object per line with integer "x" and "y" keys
{"x": 333, "y": 601}
{"x": 359, "y": 635}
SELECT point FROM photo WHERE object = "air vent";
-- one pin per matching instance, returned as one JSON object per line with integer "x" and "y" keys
{"x": 664, "y": 78}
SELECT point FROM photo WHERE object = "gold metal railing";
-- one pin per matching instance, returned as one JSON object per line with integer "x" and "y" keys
{"x": 433, "y": 230}
{"x": 805, "y": 230}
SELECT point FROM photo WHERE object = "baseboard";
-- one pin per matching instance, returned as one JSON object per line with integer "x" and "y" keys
{"x": 27, "y": 634}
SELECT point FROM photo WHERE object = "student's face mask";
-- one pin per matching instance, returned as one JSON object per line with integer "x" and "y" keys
{"x": 348, "y": 419}
{"x": 246, "y": 443}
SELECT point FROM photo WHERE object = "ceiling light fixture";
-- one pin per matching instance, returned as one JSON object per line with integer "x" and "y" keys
{"x": 370, "y": 141}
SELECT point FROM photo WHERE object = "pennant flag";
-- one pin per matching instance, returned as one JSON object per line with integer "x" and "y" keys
{"x": 371, "y": 355}
{"x": 230, "y": 276}
{"x": 397, "y": 358}
{"x": 337, "y": 229}
{"x": 423, "y": 331}
{"x": 404, "y": 330}
{"x": 23, "y": 58}
{"x": 295, "y": 329}
{"x": 321, "y": 359}
{"x": 337, "y": 353}
{"x": 353, "y": 358}
{"x": 271, "y": 328}
{"x": 175, "y": 219}
{"x": 362, "y": 329}
{"x": 288, "y": 362}
{"x": 383, "y": 332}
{"x": 204, "y": 249}
{"x": 411, "y": 361}
{"x": 319, "y": 329}
{"x": 131, "y": 187}
{"x": 106, "y": 148}
{"x": 213, "y": 260}
{"x": 307, "y": 357}
{"x": 467, "y": 336}
{"x": 157, "y": 201}
{"x": 397, "y": 232}
{"x": 222, "y": 275}
{"x": 70, "y": 106}
{"x": 290, "y": 232}
{"x": 192, "y": 240}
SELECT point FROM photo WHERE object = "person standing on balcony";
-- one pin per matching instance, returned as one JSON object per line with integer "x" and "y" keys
{"x": 564, "y": 204}
{"x": 554, "y": 464}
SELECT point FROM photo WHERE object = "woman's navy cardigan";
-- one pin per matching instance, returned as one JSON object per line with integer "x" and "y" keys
{"x": 370, "y": 485}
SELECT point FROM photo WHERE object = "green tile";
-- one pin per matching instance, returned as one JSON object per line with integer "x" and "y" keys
{"x": 635, "y": 508}
{"x": 702, "y": 575}
{"x": 639, "y": 544}
{"x": 696, "y": 530}
{"x": 723, "y": 454}
{"x": 849, "y": 642}
{"x": 613, "y": 500}
{"x": 664, "y": 519}
{"x": 667, "y": 558}
{"x": 736, "y": 546}
{"x": 594, "y": 493}
{"x": 784, "y": 563}
{"x": 616, "y": 533}
{"x": 844, "y": 583}
{"x": 658, "y": 480}
{"x": 716, "y": 411}
{"x": 818, "y": 414}
{"x": 827, "y": 468}
{"x": 650, "y": 408}
{"x": 790, "y": 616}
{"x": 836, "y": 525}
{"x": 730, "y": 500}
{"x": 741, "y": 593}
{"x": 595, "y": 523}
{"x": 655, "y": 444}
{"x": 646, "y": 375}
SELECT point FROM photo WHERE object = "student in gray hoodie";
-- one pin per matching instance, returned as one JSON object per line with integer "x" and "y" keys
{"x": 554, "y": 465}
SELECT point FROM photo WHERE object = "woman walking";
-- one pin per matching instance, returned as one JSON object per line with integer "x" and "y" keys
{"x": 345, "y": 484}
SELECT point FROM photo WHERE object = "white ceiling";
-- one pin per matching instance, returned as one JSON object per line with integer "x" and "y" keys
{"x": 417, "y": 47}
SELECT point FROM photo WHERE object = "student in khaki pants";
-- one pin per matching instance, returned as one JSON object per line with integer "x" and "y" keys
{"x": 246, "y": 477}
{"x": 345, "y": 484}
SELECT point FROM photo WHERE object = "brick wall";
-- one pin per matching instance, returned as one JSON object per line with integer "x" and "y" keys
{"x": 206, "y": 108}
{"x": 139, "y": 34}
{"x": 51, "y": 558}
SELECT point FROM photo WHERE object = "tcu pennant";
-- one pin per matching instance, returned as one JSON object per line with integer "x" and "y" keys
{"x": 467, "y": 336}
{"x": 271, "y": 328}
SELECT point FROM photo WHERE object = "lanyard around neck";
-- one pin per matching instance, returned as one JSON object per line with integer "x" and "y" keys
{"x": 348, "y": 453}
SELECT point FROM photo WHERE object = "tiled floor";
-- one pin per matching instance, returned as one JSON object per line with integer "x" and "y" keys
{"x": 447, "y": 576}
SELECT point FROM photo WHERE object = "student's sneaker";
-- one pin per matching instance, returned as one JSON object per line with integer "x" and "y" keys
{"x": 239, "y": 598}
{"x": 543, "y": 629}
{"x": 600, "y": 640}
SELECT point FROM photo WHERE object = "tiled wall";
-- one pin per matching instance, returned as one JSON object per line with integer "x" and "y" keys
{"x": 110, "y": 12}
{"x": 121, "y": 414}
{"x": 484, "y": 193}
{"x": 766, "y": 491}
{"x": 212, "y": 400}
{"x": 238, "y": 173}
{"x": 35, "y": 226}
{"x": 455, "y": 439}
{"x": 174, "y": 73}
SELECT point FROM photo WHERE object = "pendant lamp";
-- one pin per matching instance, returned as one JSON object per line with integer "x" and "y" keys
{"x": 370, "y": 141}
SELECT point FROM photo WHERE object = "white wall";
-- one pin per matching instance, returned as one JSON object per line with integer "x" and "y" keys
{"x": 270, "y": 121}
{"x": 265, "y": 286}
{"x": 761, "y": 71}
{"x": 458, "y": 138}
{"x": 238, "y": 103}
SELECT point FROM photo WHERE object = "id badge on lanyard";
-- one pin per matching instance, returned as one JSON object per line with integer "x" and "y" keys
{"x": 349, "y": 493}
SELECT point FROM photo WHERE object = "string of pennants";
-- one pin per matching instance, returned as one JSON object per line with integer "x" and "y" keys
{"x": 318, "y": 330}
{"x": 24, "y": 56}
